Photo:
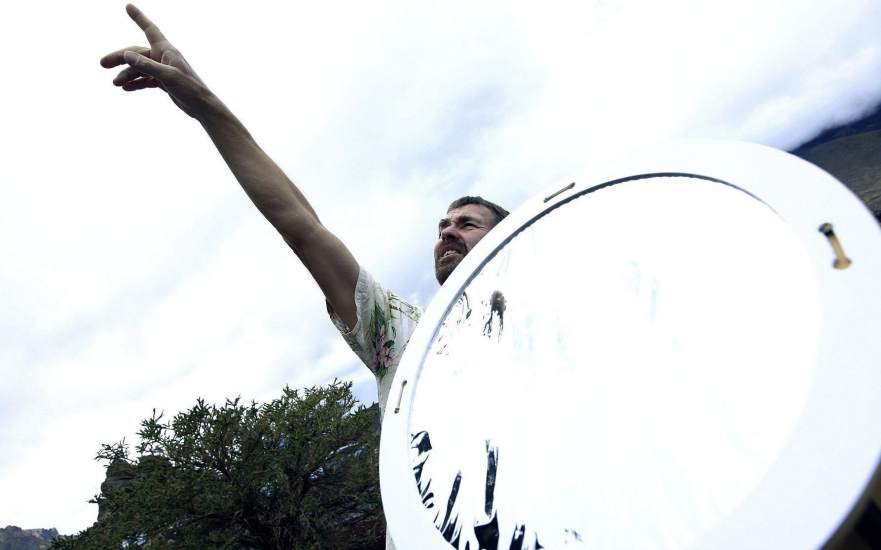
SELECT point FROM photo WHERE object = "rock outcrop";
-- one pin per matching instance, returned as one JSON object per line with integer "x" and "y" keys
{"x": 119, "y": 474}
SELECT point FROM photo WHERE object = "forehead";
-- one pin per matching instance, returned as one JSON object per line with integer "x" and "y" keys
{"x": 476, "y": 212}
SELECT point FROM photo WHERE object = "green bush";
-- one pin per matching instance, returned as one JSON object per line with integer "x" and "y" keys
{"x": 298, "y": 472}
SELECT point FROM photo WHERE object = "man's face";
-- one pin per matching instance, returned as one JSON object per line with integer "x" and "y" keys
{"x": 458, "y": 232}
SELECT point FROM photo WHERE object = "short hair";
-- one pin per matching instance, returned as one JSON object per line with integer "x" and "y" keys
{"x": 497, "y": 210}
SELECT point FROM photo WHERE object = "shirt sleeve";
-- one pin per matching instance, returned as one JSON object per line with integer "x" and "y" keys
{"x": 383, "y": 326}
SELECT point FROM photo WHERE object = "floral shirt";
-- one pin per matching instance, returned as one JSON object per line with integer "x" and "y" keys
{"x": 384, "y": 326}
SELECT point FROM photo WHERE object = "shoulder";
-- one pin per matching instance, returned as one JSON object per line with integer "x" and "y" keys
{"x": 384, "y": 324}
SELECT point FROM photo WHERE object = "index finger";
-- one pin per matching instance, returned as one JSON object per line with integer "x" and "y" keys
{"x": 154, "y": 35}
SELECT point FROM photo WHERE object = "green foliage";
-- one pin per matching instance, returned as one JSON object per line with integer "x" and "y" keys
{"x": 298, "y": 472}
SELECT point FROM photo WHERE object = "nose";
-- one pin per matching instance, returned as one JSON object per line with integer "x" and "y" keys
{"x": 449, "y": 233}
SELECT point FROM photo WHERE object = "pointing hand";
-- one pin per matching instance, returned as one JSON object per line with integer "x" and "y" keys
{"x": 159, "y": 66}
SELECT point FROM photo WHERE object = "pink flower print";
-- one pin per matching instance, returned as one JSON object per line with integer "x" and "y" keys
{"x": 384, "y": 356}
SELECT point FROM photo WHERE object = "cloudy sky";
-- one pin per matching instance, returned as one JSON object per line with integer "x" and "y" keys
{"x": 136, "y": 274}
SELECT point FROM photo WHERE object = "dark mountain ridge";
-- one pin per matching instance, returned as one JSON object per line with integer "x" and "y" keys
{"x": 16, "y": 538}
{"x": 851, "y": 153}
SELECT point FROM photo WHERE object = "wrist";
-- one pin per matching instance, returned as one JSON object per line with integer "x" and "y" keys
{"x": 211, "y": 111}
{"x": 220, "y": 123}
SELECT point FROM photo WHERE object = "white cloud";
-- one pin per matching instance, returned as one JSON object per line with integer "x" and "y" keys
{"x": 136, "y": 274}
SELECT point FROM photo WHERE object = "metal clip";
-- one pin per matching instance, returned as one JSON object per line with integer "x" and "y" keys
{"x": 841, "y": 261}
{"x": 400, "y": 397}
{"x": 568, "y": 187}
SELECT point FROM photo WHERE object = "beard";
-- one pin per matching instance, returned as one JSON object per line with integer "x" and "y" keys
{"x": 444, "y": 266}
{"x": 442, "y": 272}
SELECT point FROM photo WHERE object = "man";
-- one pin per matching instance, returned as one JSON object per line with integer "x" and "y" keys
{"x": 384, "y": 322}
{"x": 375, "y": 322}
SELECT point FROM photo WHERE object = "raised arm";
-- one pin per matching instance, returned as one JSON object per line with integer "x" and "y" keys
{"x": 162, "y": 66}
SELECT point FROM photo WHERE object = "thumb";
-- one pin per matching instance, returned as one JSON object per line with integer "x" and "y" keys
{"x": 147, "y": 66}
